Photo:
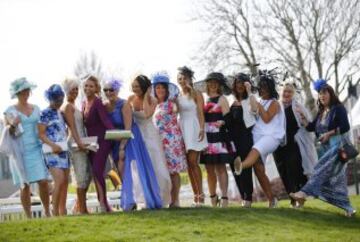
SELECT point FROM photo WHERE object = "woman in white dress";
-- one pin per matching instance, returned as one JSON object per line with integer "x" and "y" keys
{"x": 78, "y": 157}
{"x": 192, "y": 124}
{"x": 268, "y": 132}
{"x": 143, "y": 109}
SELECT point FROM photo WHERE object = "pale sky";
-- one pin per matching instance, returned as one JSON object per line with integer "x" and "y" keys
{"x": 43, "y": 39}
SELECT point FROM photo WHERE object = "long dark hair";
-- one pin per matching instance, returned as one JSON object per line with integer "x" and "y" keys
{"x": 144, "y": 83}
{"x": 268, "y": 82}
{"x": 240, "y": 77}
{"x": 334, "y": 100}
{"x": 166, "y": 86}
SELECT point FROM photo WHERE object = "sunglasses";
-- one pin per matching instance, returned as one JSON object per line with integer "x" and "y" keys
{"x": 108, "y": 90}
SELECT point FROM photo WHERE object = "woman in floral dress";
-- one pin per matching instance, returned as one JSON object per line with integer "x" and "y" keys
{"x": 52, "y": 130}
{"x": 166, "y": 122}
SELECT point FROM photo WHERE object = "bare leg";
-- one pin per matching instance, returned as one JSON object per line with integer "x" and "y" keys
{"x": 195, "y": 175}
{"x": 223, "y": 178}
{"x": 26, "y": 200}
{"x": 175, "y": 189}
{"x": 58, "y": 176}
{"x": 44, "y": 196}
{"x": 63, "y": 193}
{"x": 120, "y": 167}
{"x": 223, "y": 182}
{"x": 251, "y": 159}
{"x": 81, "y": 200}
{"x": 263, "y": 180}
{"x": 212, "y": 181}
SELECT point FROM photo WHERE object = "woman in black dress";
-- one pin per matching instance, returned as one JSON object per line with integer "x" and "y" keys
{"x": 240, "y": 123}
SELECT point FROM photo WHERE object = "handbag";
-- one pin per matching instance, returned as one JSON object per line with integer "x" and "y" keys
{"x": 347, "y": 151}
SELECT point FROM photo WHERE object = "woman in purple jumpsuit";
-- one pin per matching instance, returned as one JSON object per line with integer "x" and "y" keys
{"x": 96, "y": 121}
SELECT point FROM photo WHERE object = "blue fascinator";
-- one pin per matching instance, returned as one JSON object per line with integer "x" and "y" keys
{"x": 54, "y": 92}
{"x": 319, "y": 84}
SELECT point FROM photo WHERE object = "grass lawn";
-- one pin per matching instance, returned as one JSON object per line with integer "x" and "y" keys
{"x": 318, "y": 221}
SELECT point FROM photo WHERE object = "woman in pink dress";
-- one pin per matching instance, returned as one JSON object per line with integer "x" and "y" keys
{"x": 172, "y": 140}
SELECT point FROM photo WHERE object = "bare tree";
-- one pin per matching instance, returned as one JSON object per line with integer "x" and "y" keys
{"x": 88, "y": 64}
{"x": 230, "y": 42}
{"x": 310, "y": 39}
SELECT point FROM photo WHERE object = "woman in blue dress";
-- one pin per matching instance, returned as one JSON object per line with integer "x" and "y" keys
{"x": 34, "y": 165}
{"x": 131, "y": 152}
{"x": 52, "y": 131}
{"x": 331, "y": 125}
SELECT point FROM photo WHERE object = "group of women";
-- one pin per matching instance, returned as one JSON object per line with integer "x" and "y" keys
{"x": 174, "y": 129}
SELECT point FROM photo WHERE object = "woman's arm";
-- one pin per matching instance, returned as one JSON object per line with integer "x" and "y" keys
{"x": 200, "y": 114}
{"x": 149, "y": 104}
{"x": 268, "y": 115}
{"x": 127, "y": 116}
{"x": 341, "y": 117}
{"x": 224, "y": 104}
{"x": 42, "y": 135}
{"x": 69, "y": 117}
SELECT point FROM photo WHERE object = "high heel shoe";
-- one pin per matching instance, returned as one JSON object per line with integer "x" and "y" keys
{"x": 201, "y": 200}
{"x": 273, "y": 203}
{"x": 350, "y": 214}
{"x": 214, "y": 200}
{"x": 224, "y": 202}
{"x": 237, "y": 166}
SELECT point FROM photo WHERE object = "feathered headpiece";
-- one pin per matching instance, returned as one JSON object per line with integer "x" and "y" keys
{"x": 54, "y": 92}
{"x": 319, "y": 84}
{"x": 115, "y": 83}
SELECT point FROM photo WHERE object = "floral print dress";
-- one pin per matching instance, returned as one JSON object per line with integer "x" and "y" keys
{"x": 56, "y": 132}
{"x": 172, "y": 140}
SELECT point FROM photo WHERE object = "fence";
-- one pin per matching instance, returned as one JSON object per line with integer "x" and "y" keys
{"x": 11, "y": 208}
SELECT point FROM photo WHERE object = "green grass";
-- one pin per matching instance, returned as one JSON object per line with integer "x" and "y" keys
{"x": 318, "y": 221}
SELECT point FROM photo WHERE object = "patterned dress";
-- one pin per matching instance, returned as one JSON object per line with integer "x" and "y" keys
{"x": 221, "y": 149}
{"x": 328, "y": 183}
{"x": 56, "y": 132}
{"x": 172, "y": 140}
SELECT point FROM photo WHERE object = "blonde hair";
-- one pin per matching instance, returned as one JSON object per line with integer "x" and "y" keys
{"x": 96, "y": 82}
{"x": 219, "y": 90}
{"x": 69, "y": 83}
{"x": 289, "y": 85}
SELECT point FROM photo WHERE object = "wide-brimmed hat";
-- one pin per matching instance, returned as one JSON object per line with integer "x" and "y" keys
{"x": 19, "y": 85}
{"x": 163, "y": 78}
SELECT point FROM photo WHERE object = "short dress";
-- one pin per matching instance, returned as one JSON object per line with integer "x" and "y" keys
{"x": 189, "y": 124}
{"x": 34, "y": 163}
{"x": 221, "y": 148}
{"x": 80, "y": 159}
{"x": 268, "y": 136}
{"x": 172, "y": 140}
{"x": 56, "y": 132}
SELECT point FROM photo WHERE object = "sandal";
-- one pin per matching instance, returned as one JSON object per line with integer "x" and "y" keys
{"x": 214, "y": 200}
{"x": 224, "y": 202}
{"x": 237, "y": 166}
